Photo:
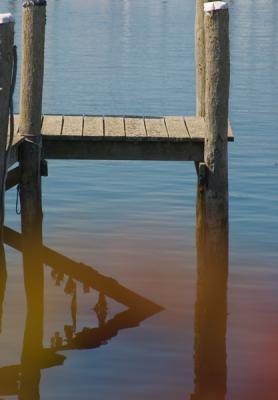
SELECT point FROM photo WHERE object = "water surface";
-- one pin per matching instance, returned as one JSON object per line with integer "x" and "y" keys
{"x": 135, "y": 221}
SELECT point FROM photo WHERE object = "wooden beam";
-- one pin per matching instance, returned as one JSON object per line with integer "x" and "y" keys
{"x": 13, "y": 178}
{"x": 6, "y": 66}
{"x": 115, "y": 149}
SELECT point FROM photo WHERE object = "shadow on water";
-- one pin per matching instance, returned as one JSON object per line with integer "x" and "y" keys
{"x": 23, "y": 380}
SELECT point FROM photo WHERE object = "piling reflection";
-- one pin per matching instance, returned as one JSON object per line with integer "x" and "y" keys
{"x": 3, "y": 281}
{"x": 23, "y": 380}
{"x": 210, "y": 357}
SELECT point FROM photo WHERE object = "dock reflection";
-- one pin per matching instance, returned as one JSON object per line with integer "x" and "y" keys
{"x": 23, "y": 380}
{"x": 3, "y": 281}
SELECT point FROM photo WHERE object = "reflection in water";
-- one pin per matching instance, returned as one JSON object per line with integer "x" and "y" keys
{"x": 210, "y": 315}
{"x": 32, "y": 351}
{"x": 101, "y": 309}
{"x": 210, "y": 312}
{"x": 24, "y": 380}
{"x": 3, "y": 281}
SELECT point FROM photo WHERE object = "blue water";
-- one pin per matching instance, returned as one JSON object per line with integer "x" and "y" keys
{"x": 135, "y": 221}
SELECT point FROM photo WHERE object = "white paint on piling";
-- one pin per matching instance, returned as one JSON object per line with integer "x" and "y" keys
{"x": 6, "y": 18}
{"x": 215, "y": 6}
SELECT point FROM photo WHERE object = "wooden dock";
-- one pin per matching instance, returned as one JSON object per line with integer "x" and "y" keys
{"x": 34, "y": 137}
{"x": 169, "y": 138}
{"x": 203, "y": 139}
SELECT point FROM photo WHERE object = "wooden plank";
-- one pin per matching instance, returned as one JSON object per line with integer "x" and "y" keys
{"x": 73, "y": 125}
{"x": 135, "y": 127}
{"x": 114, "y": 127}
{"x": 156, "y": 128}
{"x": 196, "y": 127}
{"x": 93, "y": 126}
{"x": 52, "y": 125}
{"x": 176, "y": 128}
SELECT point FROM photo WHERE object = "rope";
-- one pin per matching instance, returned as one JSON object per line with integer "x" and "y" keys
{"x": 17, "y": 204}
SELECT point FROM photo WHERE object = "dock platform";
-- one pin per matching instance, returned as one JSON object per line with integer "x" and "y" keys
{"x": 84, "y": 137}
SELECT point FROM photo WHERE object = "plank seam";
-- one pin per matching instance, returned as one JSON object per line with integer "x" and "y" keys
{"x": 145, "y": 127}
{"x": 166, "y": 127}
{"x": 83, "y": 122}
{"x": 103, "y": 126}
{"x": 124, "y": 127}
{"x": 62, "y": 126}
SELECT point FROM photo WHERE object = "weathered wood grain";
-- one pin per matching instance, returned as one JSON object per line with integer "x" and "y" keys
{"x": 135, "y": 127}
{"x": 93, "y": 126}
{"x": 196, "y": 127}
{"x": 114, "y": 127}
{"x": 52, "y": 125}
{"x": 215, "y": 204}
{"x": 176, "y": 128}
{"x": 73, "y": 125}
{"x": 200, "y": 60}
{"x": 156, "y": 128}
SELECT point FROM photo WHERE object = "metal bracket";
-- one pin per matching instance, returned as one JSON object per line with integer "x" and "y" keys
{"x": 44, "y": 168}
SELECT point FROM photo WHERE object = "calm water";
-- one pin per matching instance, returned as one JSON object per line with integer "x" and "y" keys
{"x": 135, "y": 221}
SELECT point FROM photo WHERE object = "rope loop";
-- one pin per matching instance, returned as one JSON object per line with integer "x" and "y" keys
{"x": 17, "y": 205}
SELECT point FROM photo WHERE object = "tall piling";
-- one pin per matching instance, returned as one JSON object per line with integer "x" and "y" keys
{"x": 216, "y": 104}
{"x": 6, "y": 67}
{"x": 200, "y": 58}
{"x": 33, "y": 42}
{"x": 212, "y": 194}
{"x": 212, "y": 210}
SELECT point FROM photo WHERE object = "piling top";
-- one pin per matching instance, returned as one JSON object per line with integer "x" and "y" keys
{"x": 215, "y": 6}
{"x": 6, "y": 18}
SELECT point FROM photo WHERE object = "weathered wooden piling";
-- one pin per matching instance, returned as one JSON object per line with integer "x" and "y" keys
{"x": 200, "y": 58}
{"x": 212, "y": 202}
{"x": 216, "y": 105}
{"x": 6, "y": 66}
{"x": 33, "y": 40}
{"x": 212, "y": 209}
